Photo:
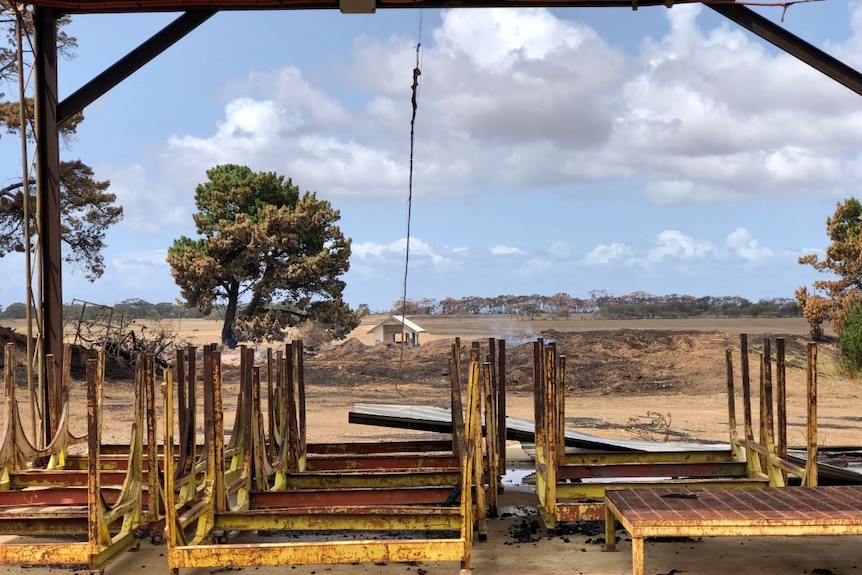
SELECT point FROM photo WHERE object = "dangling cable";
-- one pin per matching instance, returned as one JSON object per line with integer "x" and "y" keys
{"x": 414, "y": 100}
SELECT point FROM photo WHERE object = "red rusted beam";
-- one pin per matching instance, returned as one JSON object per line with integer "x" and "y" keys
{"x": 351, "y": 497}
{"x": 387, "y": 462}
{"x": 126, "y": 6}
{"x": 380, "y": 448}
{"x": 53, "y": 496}
{"x": 716, "y": 469}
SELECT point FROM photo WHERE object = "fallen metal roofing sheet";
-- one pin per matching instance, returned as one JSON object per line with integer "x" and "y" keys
{"x": 438, "y": 419}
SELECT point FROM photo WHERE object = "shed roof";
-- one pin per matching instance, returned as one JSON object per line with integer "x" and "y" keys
{"x": 399, "y": 319}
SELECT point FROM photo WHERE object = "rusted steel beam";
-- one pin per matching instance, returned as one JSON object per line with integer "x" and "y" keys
{"x": 321, "y": 552}
{"x": 173, "y": 530}
{"x": 216, "y": 445}
{"x": 382, "y": 462}
{"x": 371, "y": 518}
{"x": 491, "y": 450}
{"x": 501, "y": 401}
{"x": 342, "y": 480}
{"x": 123, "y": 6}
{"x": 95, "y": 384}
{"x": 43, "y": 523}
{"x": 811, "y": 478}
{"x": 300, "y": 397}
{"x": 64, "y": 553}
{"x": 422, "y": 495}
{"x": 62, "y": 478}
{"x": 575, "y": 512}
{"x": 472, "y": 485}
{"x": 588, "y": 491}
{"x": 680, "y": 470}
{"x": 359, "y": 448}
{"x": 560, "y": 392}
{"x": 48, "y": 201}
{"x": 455, "y": 398}
{"x": 731, "y": 405}
{"x": 781, "y": 396}
{"x": 746, "y": 387}
{"x": 617, "y": 457}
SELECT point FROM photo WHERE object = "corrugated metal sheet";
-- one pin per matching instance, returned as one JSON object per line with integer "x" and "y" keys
{"x": 438, "y": 419}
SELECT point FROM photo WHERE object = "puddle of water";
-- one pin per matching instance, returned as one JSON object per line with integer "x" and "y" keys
{"x": 514, "y": 479}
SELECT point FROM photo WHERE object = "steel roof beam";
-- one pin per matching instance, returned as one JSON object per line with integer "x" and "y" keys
{"x": 792, "y": 44}
{"x": 130, "y": 63}
{"x": 138, "y": 6}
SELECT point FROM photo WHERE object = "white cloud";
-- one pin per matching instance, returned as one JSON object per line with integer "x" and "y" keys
{"x": 741, "y": 243}
{"x": 419, "y": 249}
{"x": 501, "y": 250}
{"x": 676, "y": 245}
{"x": 298, "y": 131}
{"x": 512, "y": 100}
{"x": 604, "y": 254}
{"x": 307, "y": 107}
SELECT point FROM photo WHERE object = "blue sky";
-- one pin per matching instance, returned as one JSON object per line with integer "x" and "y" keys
{"x": 567, "y": 150}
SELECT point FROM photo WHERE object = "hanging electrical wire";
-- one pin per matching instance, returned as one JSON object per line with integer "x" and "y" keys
{"x": 415, "y": 89}
{"x": 414, "y": 99}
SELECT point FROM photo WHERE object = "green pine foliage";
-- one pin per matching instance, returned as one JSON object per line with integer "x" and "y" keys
{"x": 851, "y": 340}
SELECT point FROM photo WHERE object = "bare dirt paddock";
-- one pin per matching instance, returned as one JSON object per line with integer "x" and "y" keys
{"x": 618, "y": 373}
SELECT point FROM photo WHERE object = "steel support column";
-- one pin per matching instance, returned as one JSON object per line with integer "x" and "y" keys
{"x": 792, "y": 44}
{"x": 48, "y": 198}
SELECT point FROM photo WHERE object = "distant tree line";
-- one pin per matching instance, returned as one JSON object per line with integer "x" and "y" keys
{"x": 637, "y": 305}
{"x": 128, "y": 309}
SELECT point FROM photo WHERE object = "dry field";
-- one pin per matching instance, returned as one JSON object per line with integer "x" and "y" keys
{"x": 517, "y": 331}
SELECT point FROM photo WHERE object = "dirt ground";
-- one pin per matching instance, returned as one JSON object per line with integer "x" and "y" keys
{"x": 657, "y": 384}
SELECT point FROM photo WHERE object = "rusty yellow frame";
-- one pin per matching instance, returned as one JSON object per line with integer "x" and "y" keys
{"x": 202, "y": 508}
{"x": 767, "y": 458}
{"x": 109, "y": 518}
{"x": 283, "y": 458}
{"x": 562, "y": 500}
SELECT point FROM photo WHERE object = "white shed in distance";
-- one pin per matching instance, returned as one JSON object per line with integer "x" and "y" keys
{"x": 396, "y": 329}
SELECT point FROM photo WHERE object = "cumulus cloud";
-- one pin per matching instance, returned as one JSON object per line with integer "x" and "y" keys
{"x": 419, "y": 249}
{"x": 604, "y": 254}
{"x": 518, "y": 99}
{"x": 299, "y": 131}
{"x": 675, "y": 244}
{"x": 501, "y": 250}
{"x": 513, "y": 101}
{"x": 741, "y": 243}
